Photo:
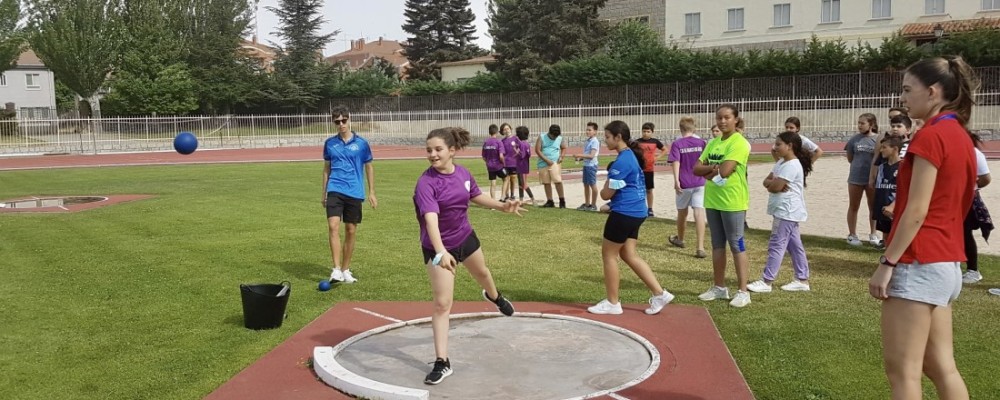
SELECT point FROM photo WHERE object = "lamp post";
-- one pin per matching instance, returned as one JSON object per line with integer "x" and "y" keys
{"x": 938, "y": 31}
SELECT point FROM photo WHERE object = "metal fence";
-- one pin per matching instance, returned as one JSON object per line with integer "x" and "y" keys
{"x": 824, "y": 120}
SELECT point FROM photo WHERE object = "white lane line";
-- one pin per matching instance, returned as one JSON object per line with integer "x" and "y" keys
{"x": 373, "y": 313}
{"x": 617, "y": 396}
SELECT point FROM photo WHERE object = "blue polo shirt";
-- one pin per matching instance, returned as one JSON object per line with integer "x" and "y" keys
{"x": 631, "y": 199}
{"x": 347, "y": 165}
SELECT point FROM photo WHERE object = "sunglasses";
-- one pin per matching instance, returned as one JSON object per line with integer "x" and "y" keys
{"x": 340, "y": 121}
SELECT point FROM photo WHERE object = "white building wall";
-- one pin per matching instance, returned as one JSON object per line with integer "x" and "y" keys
{"x": 454, "y": 73}
{"x": 16, "y": 90}
{"x": 856, "y": 22}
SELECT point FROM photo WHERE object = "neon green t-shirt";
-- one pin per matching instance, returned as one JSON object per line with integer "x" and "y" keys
{"x": 734, "y": 195}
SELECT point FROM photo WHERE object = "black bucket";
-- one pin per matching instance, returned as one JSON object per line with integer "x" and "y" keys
{"x": 264, "y": 304}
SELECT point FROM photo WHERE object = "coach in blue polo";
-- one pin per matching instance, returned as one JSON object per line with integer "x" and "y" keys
{"x": 348, "y": 158}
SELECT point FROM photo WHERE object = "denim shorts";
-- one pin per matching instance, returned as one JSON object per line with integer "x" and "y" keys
{"x": 936, "y": 283}
{"x": 589, "y": 174}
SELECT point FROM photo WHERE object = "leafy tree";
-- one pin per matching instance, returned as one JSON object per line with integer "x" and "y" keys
{"x": 298, "y": 62}
{"x": 211, "y": 31}
{"x": 11, "y": 34}
{"x": 439, "y": 31}
{"x": 384, "y": 67}
{"x": 529, "y": 34}
{"x": 629, "y": 38}
{"x": 169, "y": 92}
{"x": 79, "y": 40}
{"x": 979, "y": 47}
{"x": 362, "y": 83}
{"x": 65, "y": 97}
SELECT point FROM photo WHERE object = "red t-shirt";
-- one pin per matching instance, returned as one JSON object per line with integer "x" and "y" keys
{"x": 649, "y": 147}
{"x": 946, "y": 144}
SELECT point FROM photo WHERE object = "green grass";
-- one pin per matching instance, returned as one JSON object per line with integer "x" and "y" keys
{"x": 141, "y": 300}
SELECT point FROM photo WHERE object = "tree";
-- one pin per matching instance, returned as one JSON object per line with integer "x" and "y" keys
{"x": 169, "y": 92}
{"x": 211, "y": 32}
{"x": 383, "y": 67}
{"x": 529, "y": 34}
{"x": 630, "y": 38}
{"x": 79, "y": 40}
{"x": 11, "y": 34}
{"x": 298, "y": 61}
{"x": 439, "y": 31}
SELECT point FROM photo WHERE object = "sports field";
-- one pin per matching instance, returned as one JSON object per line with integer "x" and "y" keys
{"x": 140, "y": 300}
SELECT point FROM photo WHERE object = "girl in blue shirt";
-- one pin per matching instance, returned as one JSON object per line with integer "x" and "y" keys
{"x": 626, "y": 188}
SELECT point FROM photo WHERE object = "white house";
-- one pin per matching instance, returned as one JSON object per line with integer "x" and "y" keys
{"x": 458, "y": 71}
{"x": 742, "y": 24}
{"x": 30, "y": 86}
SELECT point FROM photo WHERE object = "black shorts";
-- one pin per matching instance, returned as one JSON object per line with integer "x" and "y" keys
{"x": 464, "y": 250}
{"x": 347, "y": 208}
{"x": 511, "y": 171}
{"x": 621, "y": 227}
{"x": 649, "y": 180}
{"x": 500, "y": 173}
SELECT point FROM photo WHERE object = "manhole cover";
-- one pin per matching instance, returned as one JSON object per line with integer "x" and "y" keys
{"x": 42, "y": 202}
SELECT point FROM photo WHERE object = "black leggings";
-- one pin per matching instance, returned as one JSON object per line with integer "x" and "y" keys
{"x": 971, "y": 251}
{"x": 521, "y": 188}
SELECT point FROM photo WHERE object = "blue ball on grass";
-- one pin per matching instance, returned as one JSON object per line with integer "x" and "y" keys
{"x": 324, "y": 285}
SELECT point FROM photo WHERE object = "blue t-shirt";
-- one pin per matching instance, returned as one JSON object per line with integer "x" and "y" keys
{"x": 347, "y": 165}
{"x": 631, "y": 199}
{"x": 592, "y": 145}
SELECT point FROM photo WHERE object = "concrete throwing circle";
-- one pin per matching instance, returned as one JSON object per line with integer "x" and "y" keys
{"x": 527, "y": 356}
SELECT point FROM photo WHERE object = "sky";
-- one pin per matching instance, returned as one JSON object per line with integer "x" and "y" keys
{"x": 358, "y": 19}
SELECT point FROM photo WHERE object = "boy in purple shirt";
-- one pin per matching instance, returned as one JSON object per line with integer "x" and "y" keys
{"x": 441, "y": 200}
{"x": 690, "y": 188}
{"x": 510, "y": 153}
{"x": 523, "y": 164}
{"x": 494, "y": 156}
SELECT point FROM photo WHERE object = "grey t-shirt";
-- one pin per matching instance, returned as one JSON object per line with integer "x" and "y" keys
{"x": 862, "y": 148}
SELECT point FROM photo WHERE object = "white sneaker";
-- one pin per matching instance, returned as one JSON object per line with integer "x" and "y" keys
{"x": 874, "y": 240}
{"x": 349, "y": 277}
{"x": 741, "y": 299}
{"x": 337, "y": 275}
{"x": 853, "y": 240}
{"x": 994, "y": 291}
{"x": 970, "y": 277}
{"x": 759, "y": 286}
{"x": 795, "y": 286}
{"x": 605, "y": 307}
{"x": 713, "y": 293}
{"x": 656, "y": 303}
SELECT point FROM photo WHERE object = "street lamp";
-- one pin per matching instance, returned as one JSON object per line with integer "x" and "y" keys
{"x": 938, "y": 31}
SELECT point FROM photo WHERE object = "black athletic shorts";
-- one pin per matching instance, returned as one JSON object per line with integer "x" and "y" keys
{"x": 347, "y": 208}
{"x": 511, "y": 171}
{"x": 469, "y": 246}
{"x": 621, "y": 227}
{"x": 650, "y": 182}
{"x": 500, "y": 173}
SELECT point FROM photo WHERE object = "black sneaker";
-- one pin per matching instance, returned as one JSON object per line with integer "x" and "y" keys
{"x": 503, "y": 305}
{"x": 549, "y": 204}
{"x": 442, "y": 369}
{"x": 562, "y": 203}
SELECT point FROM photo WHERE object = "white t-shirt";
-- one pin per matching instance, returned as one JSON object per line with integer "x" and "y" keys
{"x": 789, "y": 205}
{"x": 982, "y": 168}
{"x": 808, "y": 145}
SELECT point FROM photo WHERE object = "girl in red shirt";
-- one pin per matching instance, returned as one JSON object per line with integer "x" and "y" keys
{"x": 920, "y": 275}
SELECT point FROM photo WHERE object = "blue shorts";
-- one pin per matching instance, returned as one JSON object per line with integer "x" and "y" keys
{"x": 589, "y": 175}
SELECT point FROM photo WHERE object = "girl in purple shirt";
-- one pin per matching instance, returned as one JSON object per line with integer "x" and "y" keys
{"x": 441, "y": 199}
{"x": 523, "y": 164}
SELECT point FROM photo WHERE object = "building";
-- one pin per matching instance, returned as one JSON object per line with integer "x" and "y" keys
{"x": 30, "y": 86}
{"x": 364, "y": 53}
{"x": 458, "y": 71}
{"x": 266, "y": 54}
{"x": 744, "y": 24}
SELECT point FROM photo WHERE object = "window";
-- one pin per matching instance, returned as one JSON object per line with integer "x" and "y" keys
{"x": 735, "y": 19}
{"x": 830, "y": 11}
{"x": 782, "y": 14}
{"x": 642, "y": 20}
{"x": 881, "y": 9}
{"x": 3, "y": 79}
{"x": 932, "y": 7}
{"x": 991, "y": 5}
{"x": 692, "y": 24}
{"x": 33, "y": 81}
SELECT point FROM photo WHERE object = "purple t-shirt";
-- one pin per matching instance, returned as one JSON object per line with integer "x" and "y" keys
{"x": 686, "y": 151}
{"x": 510, "y": 158}
{"x": 491, "y": 153}
{"x": 448, "y": 196}
{"x": 524, "y": 159}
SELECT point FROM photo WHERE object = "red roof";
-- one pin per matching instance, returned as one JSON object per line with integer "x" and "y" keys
{"x": 29, "y": 59}
{"x": 361, "y": 53}
{"x": 926, "y": 29}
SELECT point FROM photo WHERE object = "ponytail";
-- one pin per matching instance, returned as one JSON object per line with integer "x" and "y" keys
{"x": 959, "y": 84}
{"x": 793, "y": 139}
{"x": 453, "y": 136}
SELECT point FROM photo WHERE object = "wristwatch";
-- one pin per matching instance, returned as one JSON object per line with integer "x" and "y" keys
{"x": 885, "y": 261}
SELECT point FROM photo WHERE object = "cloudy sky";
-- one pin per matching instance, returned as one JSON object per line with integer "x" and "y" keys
{"x": 357, "y": 19}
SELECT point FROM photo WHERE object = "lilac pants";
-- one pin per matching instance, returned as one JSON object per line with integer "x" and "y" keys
{"x": 785, "y": 235}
